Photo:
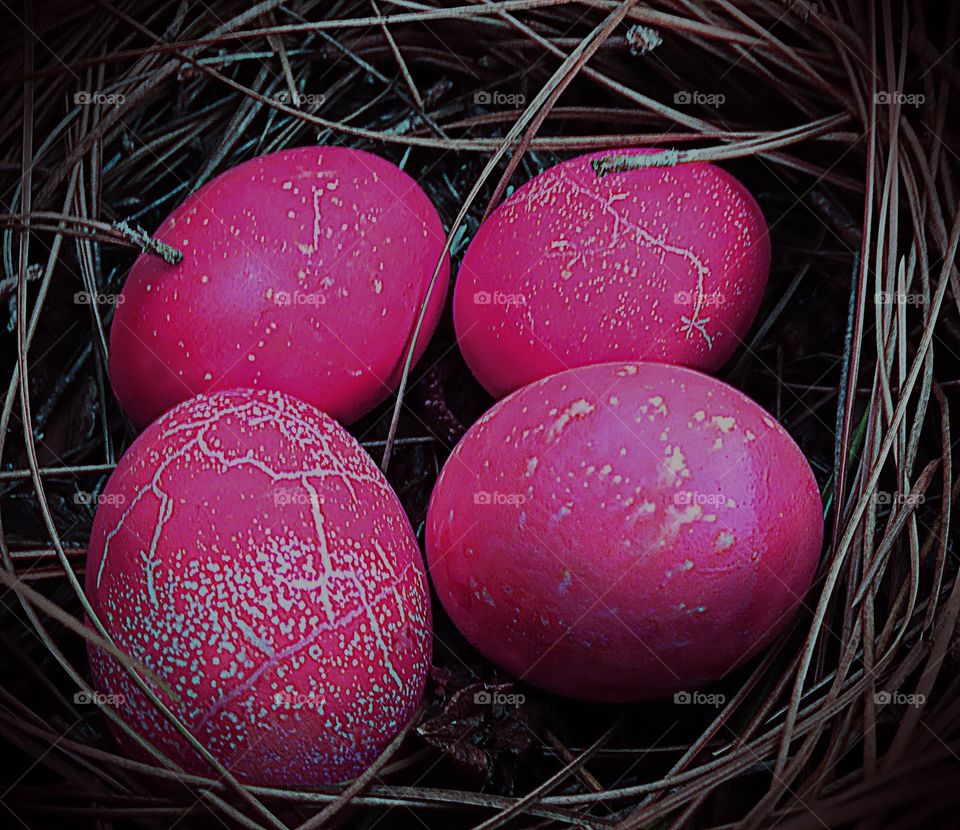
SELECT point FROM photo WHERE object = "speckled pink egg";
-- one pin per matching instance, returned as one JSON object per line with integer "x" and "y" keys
{"x": 303, "y": 271}
{"x": 664, "y": 264}
{"x": 251, "y": 555}
{"x": 624, "y": 531}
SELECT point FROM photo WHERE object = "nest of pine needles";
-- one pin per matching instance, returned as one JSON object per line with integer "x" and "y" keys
{"x": 838, "y": 115}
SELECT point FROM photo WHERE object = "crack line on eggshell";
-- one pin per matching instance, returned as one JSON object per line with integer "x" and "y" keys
{"x": 200, "y": 423}
{"x": 151, "y": 486}
{"x": 567, "y": 186}
{"x": 150, "y": 564}
{"x": 275, "y": 657}
{"x": 327, "y": 564}
{"x": 281, "y": 418}
{"x": 397, "y": 581}
{"x": 198, "y": 441}
{"x": 367, "y": 608}
{"x": 279, "y": 475}
{"x": 328, "y": 569}
{"x": 317, "y": 193}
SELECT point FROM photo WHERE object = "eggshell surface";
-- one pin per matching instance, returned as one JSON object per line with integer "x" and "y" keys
{"x": 665, "y": 264}
{"x": 250, "y": 554}
{"x": 624, "y": 531}
{"x": 303, "y": 271}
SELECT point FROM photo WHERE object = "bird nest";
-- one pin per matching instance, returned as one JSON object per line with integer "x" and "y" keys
{"x": 837, "y": 116}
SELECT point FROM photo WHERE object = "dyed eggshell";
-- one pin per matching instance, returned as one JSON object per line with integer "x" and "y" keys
{"x": 623, "y": 531}
{"x": 303, "y": 271}
{"x": 659, "y": 264}
{"x": 249, "y": 553}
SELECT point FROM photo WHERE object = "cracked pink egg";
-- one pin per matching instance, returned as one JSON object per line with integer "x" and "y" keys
{"x": 624, "y": 531}
{"x": 252, "y": 557}
{"x": 303, "y": 270}
{"x": 664, "y": 264}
